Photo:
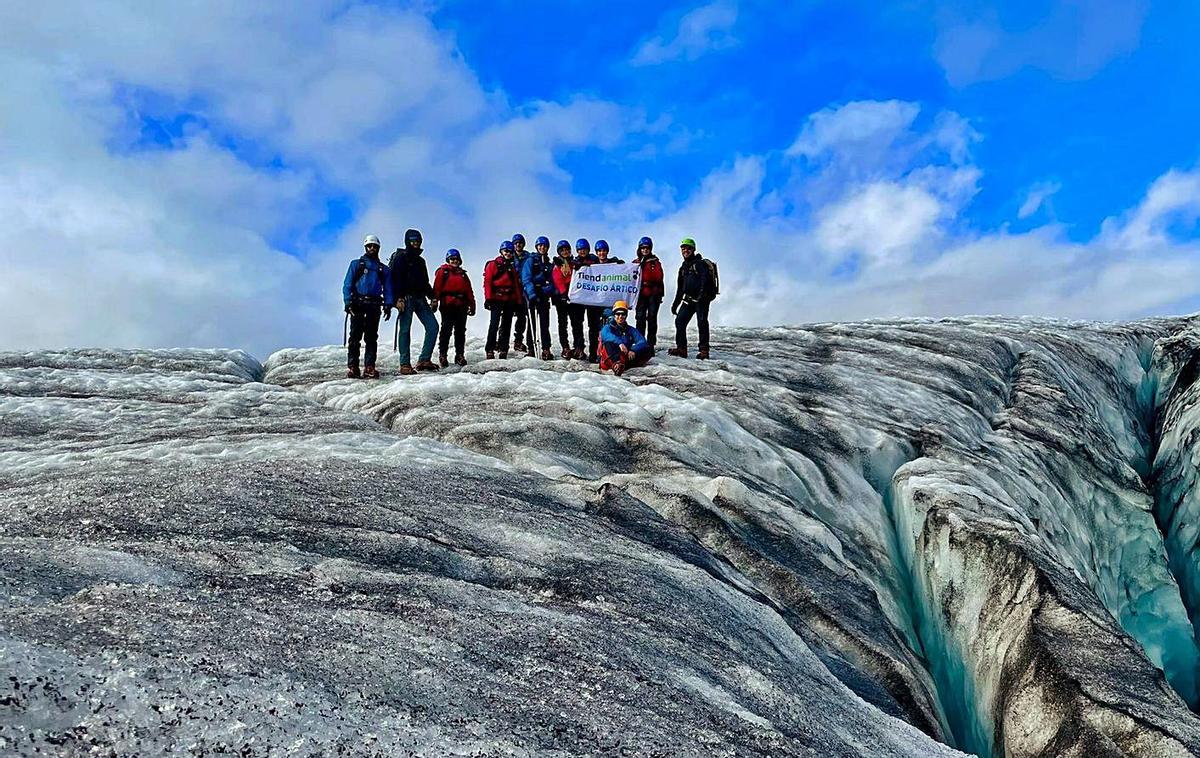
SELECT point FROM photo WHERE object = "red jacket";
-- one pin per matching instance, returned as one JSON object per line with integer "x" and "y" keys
{"x": 652, "y": 276}
{"x": 500, "y": 281}
{"x": 562, "y": 275}
{"x": 452, "y": 287}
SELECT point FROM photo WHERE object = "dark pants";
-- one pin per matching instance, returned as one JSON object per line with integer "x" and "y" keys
{"x": 364, "y": 326}
{"x": 577, "y": 313}
{"x": 454, "y": 318}
{"x": 564, "y": 319}
{"x": 647, "y": 318}
{"x": 520, "y": 326}
{"x": 541, "y": 313}
{"x": 499, "y": 326}
{"x": 684, "y": 317}
{"x": 595, "y": 314}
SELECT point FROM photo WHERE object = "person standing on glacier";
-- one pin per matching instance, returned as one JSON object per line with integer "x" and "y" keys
{"x": 563, "y": 270}
{"x": 414, "y": 295}
{"x": 695, "y": 289}
{"x": 583, "y": 257}
{"x": 651, "y": 296}
{"x": 537, "y": 279}
{"x": 366, "y": 288}
{"x": 501, "y": 297}
{"x": 521, "y": 328}
{"x": 456, "y": 299}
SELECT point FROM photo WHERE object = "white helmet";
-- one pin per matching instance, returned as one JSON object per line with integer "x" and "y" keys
{"x": 370, "y": 239}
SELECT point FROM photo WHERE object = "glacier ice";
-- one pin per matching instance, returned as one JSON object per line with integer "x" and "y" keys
{"x": 882, "y": 538}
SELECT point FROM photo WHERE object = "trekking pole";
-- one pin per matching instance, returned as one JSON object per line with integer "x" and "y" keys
{"x": 531, "y": 320}
{"x": 396, "y": 335}
{"x": 345, "y": 330}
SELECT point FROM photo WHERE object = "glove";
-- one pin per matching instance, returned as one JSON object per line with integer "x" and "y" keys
{"x": 470, "y": 310}
{"x": 433, "y": 304}
{"x": 487, "y": 304}
{"x": 387, "y": 313}
{"x": 348, "y": 308}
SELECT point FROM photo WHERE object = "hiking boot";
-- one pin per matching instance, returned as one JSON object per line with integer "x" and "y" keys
{"x": 678, "y": 353}
{"x": 547, "y": 355}
{"x": 426, "y": 366}
{"x": 618, "y": 369}
{"x": 352, "y": 372}
{"x": 442, "y": 360}
{"x": 491, "y": 355}
{"x": 406, "y": 370}
{"x": 578, "y": 354}
{"x": 370, "y": 373}
{"x": 503, "y": 354}
{"x": 519, "y": 347}
{"x": 459, "y": 360}
{"x": 567, "y": 353}
{"x": 702, "y": 355}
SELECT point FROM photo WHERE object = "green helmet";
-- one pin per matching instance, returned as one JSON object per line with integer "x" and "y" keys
{"x": 689, "y": 242}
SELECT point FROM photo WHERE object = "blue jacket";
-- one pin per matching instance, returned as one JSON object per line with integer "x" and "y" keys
{"x": 373, "y": 284}
{"x": 613, "y": 336}
{"x": 537, "y": 278}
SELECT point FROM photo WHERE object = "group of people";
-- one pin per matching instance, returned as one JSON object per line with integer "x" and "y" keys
{"x": 520, "y": 289}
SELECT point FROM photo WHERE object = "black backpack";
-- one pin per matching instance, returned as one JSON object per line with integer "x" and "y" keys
{"x": 716, "y": 278}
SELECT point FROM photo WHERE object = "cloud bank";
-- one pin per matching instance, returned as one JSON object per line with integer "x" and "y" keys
{"x": 202, "y": 237}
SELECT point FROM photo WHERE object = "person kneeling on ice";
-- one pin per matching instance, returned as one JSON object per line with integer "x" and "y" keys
{"x": 621, "y": 345}
{"x": 367, "y": 288}
{"x": 452, "y": 289}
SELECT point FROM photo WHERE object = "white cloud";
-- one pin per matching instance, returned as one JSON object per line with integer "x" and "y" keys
{"x": 1072, "y": 41}
{"x": 1036, "y": 197}
{"x": 172, "y": 247}
{"x": 699, "y": 31}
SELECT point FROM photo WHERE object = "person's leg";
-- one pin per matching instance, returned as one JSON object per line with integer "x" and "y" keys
{"x": 682, "y": 319}
{"x": 577, "y": 316}
{"x": 593, "y": 319}
{"x": 357, "y": 325}
{"x": 640, "y": 358}
{"x": 639, "y": 315}
{"x": 518, "y": 315}
{"x": 449, "y": 314}
{"x": 607, "y": 361}
{"x": 404, "y": 324}
{"x": 651, "y": 333}
{"x": 543, "y": 311}
{"x": 493, "y": 333}
{"x": 371, "y": 333}
{"x": 702, "y": 324}
{"x": 506, "y": 318}
{"x": 564, "y": 322}
{"x": 429, "y": 321}
{"x": 460, "y": 332}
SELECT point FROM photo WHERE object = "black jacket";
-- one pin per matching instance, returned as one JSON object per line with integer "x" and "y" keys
{"x": 410, "y": 274}
{"x": 695, "y": 283}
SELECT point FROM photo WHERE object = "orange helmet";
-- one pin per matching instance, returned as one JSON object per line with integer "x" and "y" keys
{"x": 620, "y": 305}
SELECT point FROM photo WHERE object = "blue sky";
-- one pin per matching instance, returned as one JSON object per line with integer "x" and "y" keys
{"x": 841, "y": 160}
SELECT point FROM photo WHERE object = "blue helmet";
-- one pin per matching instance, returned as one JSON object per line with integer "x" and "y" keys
{"x": 518, "y": 238}
{"x": 602, "y": 245}
{"x": 563, "y": 245}
{"x": 453, "y": 253}
{"x": 646, "y": 242}
{"x": 507, "y": 247}
{"x": 412, "y": 235}
{"x": 542, "y": 241}
{"x": 582, "y": 244}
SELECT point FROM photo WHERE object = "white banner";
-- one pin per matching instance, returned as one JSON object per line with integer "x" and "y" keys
{"x": 605, "y": 284}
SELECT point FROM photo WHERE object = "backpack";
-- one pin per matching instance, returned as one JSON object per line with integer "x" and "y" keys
{"x": 716, "y": 278}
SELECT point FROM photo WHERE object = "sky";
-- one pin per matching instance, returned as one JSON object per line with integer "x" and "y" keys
{"x": 201, "y": 173}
